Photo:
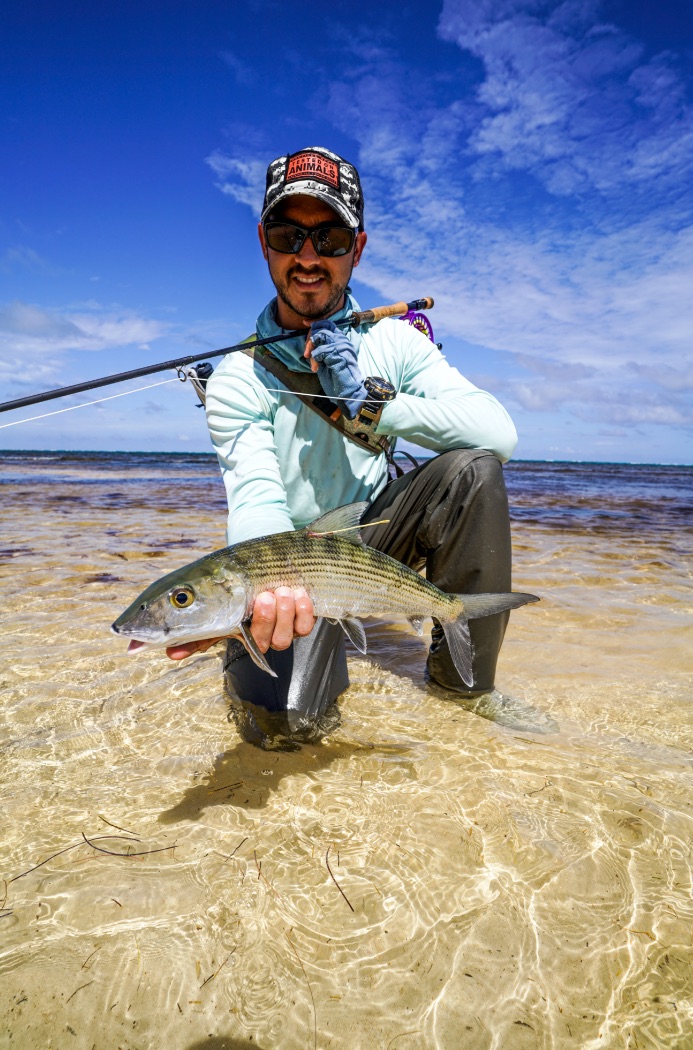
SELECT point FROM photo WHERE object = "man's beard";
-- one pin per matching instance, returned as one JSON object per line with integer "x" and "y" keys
{"x": 314, "y": 313}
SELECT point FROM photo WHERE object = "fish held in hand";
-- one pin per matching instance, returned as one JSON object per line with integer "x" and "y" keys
{"x": 345, "y": 579}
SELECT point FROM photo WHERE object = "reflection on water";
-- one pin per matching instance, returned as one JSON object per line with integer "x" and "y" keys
{"x": 425, "y": 877}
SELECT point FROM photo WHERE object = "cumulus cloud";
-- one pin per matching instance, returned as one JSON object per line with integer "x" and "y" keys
{"x": 40, "y": 336}
{"x": 34, "y": 330}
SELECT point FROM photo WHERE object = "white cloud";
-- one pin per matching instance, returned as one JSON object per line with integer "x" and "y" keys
{"x": 587, "y": 279}
{"x": 666, "y": 376}
{"x": 568, "y": 98}
{"x": 597, "y": 400}
{"x": 24, "y": 258}
{"x": 28, "y": 329}
{"x": 243, "y": 180}
{"x": 40, "y": 336}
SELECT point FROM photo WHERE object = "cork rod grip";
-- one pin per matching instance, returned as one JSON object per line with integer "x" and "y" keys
{"x": 394, "y": 310}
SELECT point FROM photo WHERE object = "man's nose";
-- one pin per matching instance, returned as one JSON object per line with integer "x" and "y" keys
{"x": 308, "y": 254}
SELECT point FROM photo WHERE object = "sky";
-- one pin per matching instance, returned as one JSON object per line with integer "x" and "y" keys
{"x": 527, "y": 163}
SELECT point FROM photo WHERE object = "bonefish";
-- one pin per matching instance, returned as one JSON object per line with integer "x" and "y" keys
{"x": 345, "y": 579}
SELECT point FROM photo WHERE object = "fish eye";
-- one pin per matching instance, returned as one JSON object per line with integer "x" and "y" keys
{"x": 182, "y": 597}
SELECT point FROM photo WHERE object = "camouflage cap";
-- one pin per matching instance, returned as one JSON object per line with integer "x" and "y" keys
{"x": 317, "y": 172}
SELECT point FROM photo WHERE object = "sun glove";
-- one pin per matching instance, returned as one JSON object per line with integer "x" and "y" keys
{"x": 338, "y": 368}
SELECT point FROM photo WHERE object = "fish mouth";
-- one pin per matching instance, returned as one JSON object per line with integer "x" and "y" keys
{"x": 136, "y": 647}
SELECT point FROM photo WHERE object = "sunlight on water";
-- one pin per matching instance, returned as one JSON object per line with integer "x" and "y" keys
{"x": 425, "y": 877}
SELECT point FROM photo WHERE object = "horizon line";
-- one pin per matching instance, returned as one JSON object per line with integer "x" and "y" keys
{"x": 211, "y": 454}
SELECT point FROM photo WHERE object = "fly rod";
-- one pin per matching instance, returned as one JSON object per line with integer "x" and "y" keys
{"x": 354, "y": 320}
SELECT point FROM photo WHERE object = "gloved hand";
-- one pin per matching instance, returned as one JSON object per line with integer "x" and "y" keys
{"x": 338, "y": 367}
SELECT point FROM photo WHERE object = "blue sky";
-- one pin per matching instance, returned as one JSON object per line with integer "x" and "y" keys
{"x": 527, "y": 163}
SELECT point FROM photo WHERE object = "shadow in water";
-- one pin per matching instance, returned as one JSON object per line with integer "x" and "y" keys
{"x": 406, "y": 658}
{"x": 223, "y": 1042}
{"x": 246, "y": 776}
{"x": 503, "y": 710}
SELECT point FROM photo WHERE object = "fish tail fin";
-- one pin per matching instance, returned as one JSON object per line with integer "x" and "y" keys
{"x": 474, "y": 607}
{"x": 478, "y": 605}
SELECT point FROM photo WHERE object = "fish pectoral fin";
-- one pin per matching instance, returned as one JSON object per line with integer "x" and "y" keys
{"x": 417, "y": 623}
{"x": 354, "y": 631}
{"x": 342, "y": 520}
{"x": 460, "y": 646}
{"x": 256, "y": 655}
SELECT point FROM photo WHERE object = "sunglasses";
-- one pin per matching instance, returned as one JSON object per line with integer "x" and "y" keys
{"x": 328, "y": 241}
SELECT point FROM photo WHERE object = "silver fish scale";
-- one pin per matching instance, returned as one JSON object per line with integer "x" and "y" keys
{"x": 342, "y": 578}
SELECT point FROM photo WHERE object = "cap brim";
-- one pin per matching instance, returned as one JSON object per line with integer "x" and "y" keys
{"x": 312, "y": 189}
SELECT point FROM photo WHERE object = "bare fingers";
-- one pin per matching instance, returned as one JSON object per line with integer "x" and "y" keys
{"x": 264, "y": 620}
{"x": 304, "y": 621}
{"x": 308, "y": 354}
{"x": 280, "y": 616}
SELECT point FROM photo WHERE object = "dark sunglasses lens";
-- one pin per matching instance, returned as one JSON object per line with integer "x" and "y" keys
{"x": 330, "y": 241}
{"x": 281, "y": 237}
{"x": 333, "y": 241}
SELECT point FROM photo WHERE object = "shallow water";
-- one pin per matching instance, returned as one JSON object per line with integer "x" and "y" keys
{"x": 426, "y": 877}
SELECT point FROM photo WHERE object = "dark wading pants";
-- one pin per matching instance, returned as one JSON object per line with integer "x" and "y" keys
{"x": 449, "y": 515}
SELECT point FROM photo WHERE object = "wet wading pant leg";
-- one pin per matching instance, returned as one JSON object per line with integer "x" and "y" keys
{"x": 449, "y": 515}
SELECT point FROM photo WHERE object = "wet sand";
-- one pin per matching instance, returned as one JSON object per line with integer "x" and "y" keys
{"x": 426, "y": 877}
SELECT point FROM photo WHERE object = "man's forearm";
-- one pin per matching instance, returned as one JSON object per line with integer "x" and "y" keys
{"x": 465, "y": 420}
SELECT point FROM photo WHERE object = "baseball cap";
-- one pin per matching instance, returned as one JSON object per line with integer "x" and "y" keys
{"x": 317, "y": 172}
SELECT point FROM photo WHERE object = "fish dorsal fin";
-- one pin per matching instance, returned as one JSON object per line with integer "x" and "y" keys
{"x": 255, "y": 653}
{"x": 417, "y": 623}
{"x": 343, "y": 520}
{"x": 354, "y": 631}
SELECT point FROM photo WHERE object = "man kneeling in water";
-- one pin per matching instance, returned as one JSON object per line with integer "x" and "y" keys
{"x": 285, "y": 462}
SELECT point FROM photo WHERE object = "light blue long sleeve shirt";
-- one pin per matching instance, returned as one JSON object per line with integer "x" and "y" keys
{"x": 283, "y": 466}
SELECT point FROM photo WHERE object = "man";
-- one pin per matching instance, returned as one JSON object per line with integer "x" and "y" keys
{"x": 284, "y": 463}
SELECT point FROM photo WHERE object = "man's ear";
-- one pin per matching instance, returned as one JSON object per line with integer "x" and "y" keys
{"x": 361, "y": 239}
{"x": 261, "y": 235}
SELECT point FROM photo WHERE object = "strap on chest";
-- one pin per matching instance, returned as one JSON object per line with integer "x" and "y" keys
{"x": 307, "y": 386}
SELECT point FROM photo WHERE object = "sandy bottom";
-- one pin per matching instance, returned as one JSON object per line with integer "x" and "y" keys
{"x": 426, "y": 877}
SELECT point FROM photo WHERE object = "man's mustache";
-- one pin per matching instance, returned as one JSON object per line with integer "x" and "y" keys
{"x": 301, "y": 271}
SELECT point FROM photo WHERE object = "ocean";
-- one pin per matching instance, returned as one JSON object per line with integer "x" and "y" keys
{"x": 429, "y": 876}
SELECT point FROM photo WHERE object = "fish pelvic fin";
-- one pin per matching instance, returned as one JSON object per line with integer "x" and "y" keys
{"x": 354, "y": 631}
{"x": 256, "y": 655}
{"x": 477, "y": 605}
{"x": 474, "y": 607}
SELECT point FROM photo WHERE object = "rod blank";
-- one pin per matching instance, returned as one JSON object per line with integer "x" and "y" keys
{"x": 354, "y": 320}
